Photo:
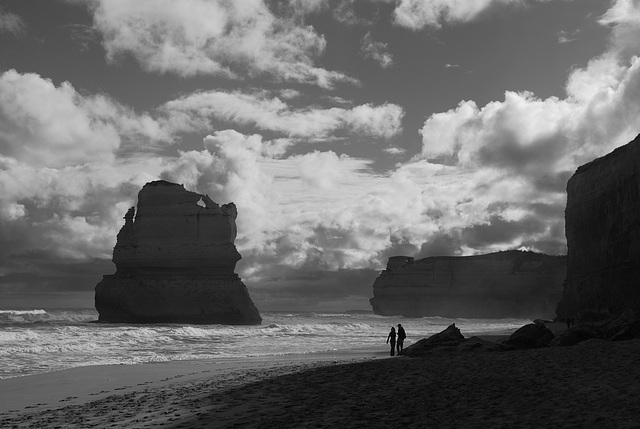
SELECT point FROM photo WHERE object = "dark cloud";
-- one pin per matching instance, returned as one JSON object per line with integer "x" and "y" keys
{"x": 552, "y": 182}
{"x": 286, "y": 288}
{"x": 499, "y": 231}
{"x": 40, "y": 273}
{"x": 441, "y": 244}
{"x": 506, "y": 150}
{"x": 400, "y": 246}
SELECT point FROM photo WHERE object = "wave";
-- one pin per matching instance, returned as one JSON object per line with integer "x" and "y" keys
{"x": 10, "y": 317}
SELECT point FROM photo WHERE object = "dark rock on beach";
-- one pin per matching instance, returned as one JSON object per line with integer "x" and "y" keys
{"x": 575, "y": 335}
{"x": 451, "y": 339}
{"x": 531, "y": 336}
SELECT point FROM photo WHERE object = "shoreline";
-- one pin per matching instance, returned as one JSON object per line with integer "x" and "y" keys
{"x": 592, "y": 384}
{"x": 82, "y": 384}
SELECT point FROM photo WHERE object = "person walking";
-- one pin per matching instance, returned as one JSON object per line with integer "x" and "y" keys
{"x": 401, "y": 336}
{"x": 392, "y": 337}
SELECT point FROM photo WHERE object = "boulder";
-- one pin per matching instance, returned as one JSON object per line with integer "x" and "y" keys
{"x": 477, "y": 344}
{"x": 626, "y": 326}
{"x": 575, "y": 335}
{"x": 448, "y": 339}
{"x": 531, "y": 336}
{"x": 495, "y": 285}
{"x": 175, "y": 259}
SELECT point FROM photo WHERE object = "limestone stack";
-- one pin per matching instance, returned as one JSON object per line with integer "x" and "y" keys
{"x": 175, "y": 260}
{"x": 495, "y": 285}
{"x": 602, "y": 222}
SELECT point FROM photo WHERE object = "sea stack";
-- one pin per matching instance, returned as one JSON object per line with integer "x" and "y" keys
{"x": 175, "y": 260}
{"x": 495, "y": 285}
{"x": 602, "y": 225}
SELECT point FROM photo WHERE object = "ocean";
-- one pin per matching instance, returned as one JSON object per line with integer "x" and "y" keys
{"x": 38, "y": 340}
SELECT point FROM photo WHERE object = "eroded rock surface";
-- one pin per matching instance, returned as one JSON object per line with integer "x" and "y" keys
{"x": 495, "y": 285}
{"x": 602, "y": 221}
{"x": 175, "y": 260}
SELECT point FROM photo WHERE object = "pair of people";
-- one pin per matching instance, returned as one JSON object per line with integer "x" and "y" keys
{"x": 399, "y": 344}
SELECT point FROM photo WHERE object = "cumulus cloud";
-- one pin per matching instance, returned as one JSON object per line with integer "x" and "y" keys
{"x": 261, "y": 110}
{"x": 526, "y": 147}
{"x": 198, "y": 37}
{"x": 377, "y": 51}
{"x": 54, "y": 126}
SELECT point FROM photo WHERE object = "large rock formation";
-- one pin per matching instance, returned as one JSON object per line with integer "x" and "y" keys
{"x": 175, "y": 260}
{"x": 495, "y": 285}
{"x": 602, "y": 221}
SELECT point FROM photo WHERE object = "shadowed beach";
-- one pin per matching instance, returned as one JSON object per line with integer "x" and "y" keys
{"x": 592, "y": 384}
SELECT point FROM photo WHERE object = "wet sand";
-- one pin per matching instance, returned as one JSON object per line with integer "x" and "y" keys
{"x": 592, "y": 385}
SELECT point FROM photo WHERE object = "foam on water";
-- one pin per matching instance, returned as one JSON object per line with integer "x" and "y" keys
{"x": 34, "y": 341}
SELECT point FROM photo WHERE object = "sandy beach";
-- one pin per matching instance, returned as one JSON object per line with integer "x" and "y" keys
{"x": 594, "y": 384}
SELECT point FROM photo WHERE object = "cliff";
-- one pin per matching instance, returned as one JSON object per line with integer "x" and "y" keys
{"x": 495, "y": 285}
{"x": 175, "y": 260}
{"x": 602, "y": 222}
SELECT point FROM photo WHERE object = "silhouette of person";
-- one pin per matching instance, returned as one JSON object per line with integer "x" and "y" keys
{"x": 401, "y": 336}
{"x": 568, "y": 322}
{"x": 392, "y": 337}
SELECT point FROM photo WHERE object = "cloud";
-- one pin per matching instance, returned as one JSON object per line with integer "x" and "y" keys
{"x": 11, "y": 23}
{"x": 395, "y": 150}
{"x": 522, "y": 150}
{"x": 344, "y": 12}
{"x": 568, "y": 36}
{"x": 82, "y": 35}
{"x": 55, "y": 126}
{"x": 261, "y": 110}
{"x": 319, "y": 224}
{"x": 377, "y": 51}
{"x": 52, "y": 126}
{"x": 231, "y": 39}
{"x": 418, "y": 14}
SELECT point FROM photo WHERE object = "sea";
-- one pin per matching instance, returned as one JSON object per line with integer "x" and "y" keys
{"x": 43, "y": 340}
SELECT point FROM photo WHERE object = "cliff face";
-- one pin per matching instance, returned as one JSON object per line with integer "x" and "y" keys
{"x": 602, "y": 222}
{"x": 495, "y": 285}
{"x": 175, "y": 260}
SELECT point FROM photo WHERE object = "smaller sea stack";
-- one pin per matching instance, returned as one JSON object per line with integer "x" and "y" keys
{"x": 493, "y": 286}
{"x": 175, "y": 259}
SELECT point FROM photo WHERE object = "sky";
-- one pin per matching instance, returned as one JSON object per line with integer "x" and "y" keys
{"x": 345, "y": 132}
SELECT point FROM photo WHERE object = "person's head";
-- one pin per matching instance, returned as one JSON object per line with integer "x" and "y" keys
{"x": 393, "y": 329}
{"x": 399, "y": 325}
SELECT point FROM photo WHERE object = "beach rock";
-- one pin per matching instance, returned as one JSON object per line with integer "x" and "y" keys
{"x": 175, "y": 259}
{"x": 602, "y": 221}
{"x": 495, "y": 285}
{"x": 575, "y": 335}
{"x": 477, "y": 344}
{"x": 626, "y": 326}
{"x": 531, "y": 336}
{"x": 448, "y": 339}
